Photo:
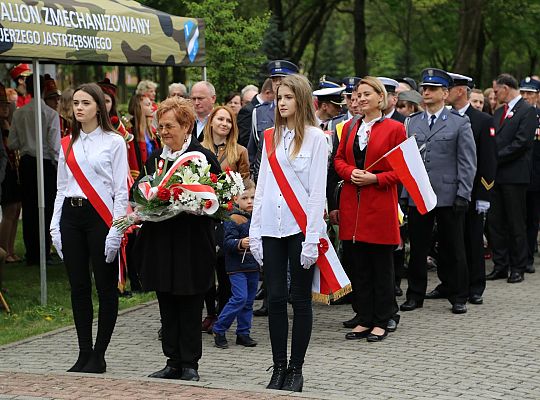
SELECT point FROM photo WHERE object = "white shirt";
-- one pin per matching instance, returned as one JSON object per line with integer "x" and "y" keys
{"x": 168, "y": 154}
{"x": 201, "y": 124}
{"x": 271, "y": 215}
{"x": 511, "y": 105}
{"x": 389, "y": 115}
{"x": 437, "y": 114}
{"x": 107, "y": 155}
{"x": 364, "y": 131}
{"x": 463, "y": 110}
{"x": 22, "y": 134}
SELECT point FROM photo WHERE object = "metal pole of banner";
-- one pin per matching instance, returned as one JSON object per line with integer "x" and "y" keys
{"x": 203, "y": 73}
{"x": 40, "y": 182}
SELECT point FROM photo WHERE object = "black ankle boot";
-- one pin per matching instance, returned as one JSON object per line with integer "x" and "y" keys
{"x": 96, "y": 364}
{"x": 84, "y": 356}
{"x": 278, "y": 376}
{"x": 294, "y": 381}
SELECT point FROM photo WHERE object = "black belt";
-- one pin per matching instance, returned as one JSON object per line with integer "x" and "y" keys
{"x": 77, "y": 201}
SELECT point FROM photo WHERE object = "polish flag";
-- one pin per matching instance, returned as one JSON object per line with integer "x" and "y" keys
{"x": 405, "y": 159}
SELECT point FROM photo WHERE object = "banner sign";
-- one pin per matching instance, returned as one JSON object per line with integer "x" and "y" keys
{"x": 103, "y": 31}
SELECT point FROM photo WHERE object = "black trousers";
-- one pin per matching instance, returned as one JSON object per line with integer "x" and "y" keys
{"x": 220, "y": 294}
{"x": 452, "y": 262}
{"x": 348, "y": 266}
{"x": 373, "y": 283}
{"x": 474, "y": 250}
{"x": 507, "y": 226}
{"x": 533, "y": 219}
{"x": 30, "y": 217}
{"x": 181, "y": 329}
{"x": 277, "y": 254}
{"x": 83, "y": 242}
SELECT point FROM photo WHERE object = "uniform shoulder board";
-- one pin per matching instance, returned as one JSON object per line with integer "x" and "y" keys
{"x": 338, "y": 117}
{"x": 455, "y": 112}
{"x": 415, "y": 114}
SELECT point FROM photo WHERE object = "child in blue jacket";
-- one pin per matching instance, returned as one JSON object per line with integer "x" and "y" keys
{"x": 243, "y": 273}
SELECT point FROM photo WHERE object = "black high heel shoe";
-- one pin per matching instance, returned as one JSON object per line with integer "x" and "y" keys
{"x": 278, "y": 376}
{"x": 294, "y": 381}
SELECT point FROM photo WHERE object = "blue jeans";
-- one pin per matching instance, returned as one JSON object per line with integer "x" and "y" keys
{"x": 240, "y": 305}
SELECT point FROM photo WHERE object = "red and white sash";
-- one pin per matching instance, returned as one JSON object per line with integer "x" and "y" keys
{"x": 96, "y": 193}
{"x": 330, "y": 282}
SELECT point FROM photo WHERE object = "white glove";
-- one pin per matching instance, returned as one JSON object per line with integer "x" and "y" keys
{"x": 309, "y": 254}
{"x": 255, "y": 246}
{"x": 482, "y": 206}
{"x": 57, "y": 243}
{"x": 113, "y": 241}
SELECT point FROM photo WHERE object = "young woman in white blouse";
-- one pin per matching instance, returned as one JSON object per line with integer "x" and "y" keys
{"x": 277, "y": 240}
{"x": 92, "y": 191}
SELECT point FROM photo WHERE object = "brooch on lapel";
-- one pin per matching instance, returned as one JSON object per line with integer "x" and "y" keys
{"x": 510, "y": 115}
{"x": 491, "y": 131}
{"x": 160, "y": 166}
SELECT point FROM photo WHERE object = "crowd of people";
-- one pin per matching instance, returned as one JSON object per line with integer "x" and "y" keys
{"x": 323, "y": 149}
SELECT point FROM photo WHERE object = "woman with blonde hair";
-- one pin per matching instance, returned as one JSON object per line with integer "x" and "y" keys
{"x": 298, "y": 149}
{"x": 368, "y": 217}
{"x": 221, "y": 137}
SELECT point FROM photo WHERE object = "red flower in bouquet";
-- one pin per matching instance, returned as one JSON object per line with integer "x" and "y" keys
{"x": 208, "y": 204}
{"x": 229, "y": 206}
{"x": 176, "y": 192}
{"x": 164, "y": 194}
{"x": 228, "y": 170}
{"x": 213, "y": 177}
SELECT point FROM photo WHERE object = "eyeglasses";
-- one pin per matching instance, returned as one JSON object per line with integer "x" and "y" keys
{"x": 167, "y": 127}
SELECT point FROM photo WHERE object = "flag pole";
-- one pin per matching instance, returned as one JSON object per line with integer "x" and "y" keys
{"x": 386, "y": 154}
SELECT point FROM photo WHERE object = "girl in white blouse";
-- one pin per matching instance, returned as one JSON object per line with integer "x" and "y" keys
{"x": 91, "y": 192}
{"x": 277, "y": 241}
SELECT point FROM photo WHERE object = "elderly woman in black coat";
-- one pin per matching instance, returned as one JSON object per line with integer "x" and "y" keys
{"x": 176, "y": 257}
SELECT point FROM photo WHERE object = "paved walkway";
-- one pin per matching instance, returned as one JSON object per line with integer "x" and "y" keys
{"x": 492, "y": 352}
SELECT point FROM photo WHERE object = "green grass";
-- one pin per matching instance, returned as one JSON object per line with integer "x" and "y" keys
{"x": 28, "y": 317}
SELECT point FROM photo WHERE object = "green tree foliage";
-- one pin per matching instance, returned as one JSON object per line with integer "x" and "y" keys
{"x": 233, "y": 44}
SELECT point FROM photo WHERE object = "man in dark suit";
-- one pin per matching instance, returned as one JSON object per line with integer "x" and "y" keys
{"x": 515, "y": 124}
{"x": 245, "y": 115}
{"x": 530, "y": 90}
{"x": 486, "y": 155}
{"x": 391, "y": 86}
{"x": 446, "y": 142}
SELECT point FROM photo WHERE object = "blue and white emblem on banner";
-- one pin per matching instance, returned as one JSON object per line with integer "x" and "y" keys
{"x": 191, "y": 33}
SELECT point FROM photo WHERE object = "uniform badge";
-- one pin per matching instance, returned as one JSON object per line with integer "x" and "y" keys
{"x": 444, "y": 117}
{"x": 491, "y": 131}
{"x": 528, "y": 79}
{"x": 430, "y": 72}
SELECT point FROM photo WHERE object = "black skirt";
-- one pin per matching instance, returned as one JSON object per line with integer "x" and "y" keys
{"x": 176, "y": 256}
{"x": 11, "y": 188}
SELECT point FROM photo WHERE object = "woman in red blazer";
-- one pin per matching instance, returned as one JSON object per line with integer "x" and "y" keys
{"x": 368, "y": 211}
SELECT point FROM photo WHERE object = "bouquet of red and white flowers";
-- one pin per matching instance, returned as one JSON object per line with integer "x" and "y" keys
{"x": 188, "y": 186}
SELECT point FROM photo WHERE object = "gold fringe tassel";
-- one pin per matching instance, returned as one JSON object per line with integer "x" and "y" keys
{"x": 327, "y": 298}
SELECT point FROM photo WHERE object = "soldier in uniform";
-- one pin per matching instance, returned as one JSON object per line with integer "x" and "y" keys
{"x": 329, "y": 102}
{"x": 486, "y": 154}
{"x": 263, "y": 114}
{"x": 515, "y": 126}
{"x": 529, "y": 89}
{"x": 391, "y": 87}
{"x": 446, "y": 143}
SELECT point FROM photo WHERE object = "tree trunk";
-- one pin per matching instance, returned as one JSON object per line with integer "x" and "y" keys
{"x": 470, "y": 23}
{"x": 478, "y": 71}
{"x": 121, "y": 95}
{"x": 163, "y": 86}
{"x": 360, "y": 48}
{"x": 179, "y": 74}
{"x": 408, "y": 42}
{"x": 276, "y": 8}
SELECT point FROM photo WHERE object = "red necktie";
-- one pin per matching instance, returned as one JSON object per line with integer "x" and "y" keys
{"x": 504, "y": 113}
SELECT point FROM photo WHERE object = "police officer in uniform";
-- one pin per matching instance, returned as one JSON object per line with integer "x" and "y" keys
{"x": 530, "y": 91}
{"x": 263, "y": 114}
{"x": 446, "y": 143}
{"x": 486, "y": 154}
{"x": 391, "y": 87}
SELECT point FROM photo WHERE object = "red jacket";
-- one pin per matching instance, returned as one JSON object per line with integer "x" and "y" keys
{"x": 375, "y": 220}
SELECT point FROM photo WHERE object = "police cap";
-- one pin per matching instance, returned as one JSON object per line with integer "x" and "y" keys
{"x": 389, "y": 84}
{"x": 350, "y": 82}
{"x": 529, "y": 85}
{"x": 461, "y": 80}
{"x": 436, "y": 77}
{"x": 281, "y": 68}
